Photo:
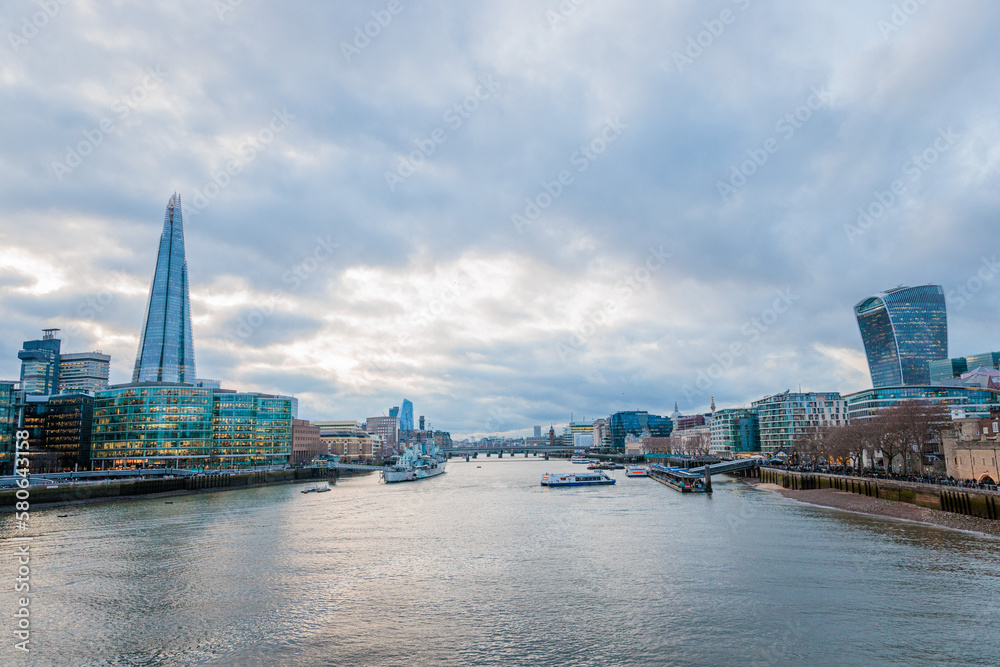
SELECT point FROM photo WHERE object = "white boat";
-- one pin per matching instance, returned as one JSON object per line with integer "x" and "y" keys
{"x": 415, "y": 463}
{"x": 580, "y": 459}
{"x": 577, "y": 479}
{"x": 636, "y": 471}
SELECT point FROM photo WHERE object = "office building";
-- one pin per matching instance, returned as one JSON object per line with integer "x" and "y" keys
{"x": 962, "y": 402}
{"x": 306, "y": 442}
{"x": 903, "y": 329}
{"x": 406, "y": 416}
{"x": 84, "y": 371}
{"x": 941, "y": 370}
{"x": 733, "y": 431}
{"x": 59, "y": 429}
{"x": 250, "y": 429}
{"x": 638, "y": 423}
{"x": 40, "y": 364}
{"x": 350, "y": 440}
{"x": 9, "y": 397}
{"x": 166, "y": 347}
{"x": 784, "y": 419}
{"x": 986, "y": 359}
{"x": 387, "y": 428}
{"x": 152, "y": 424}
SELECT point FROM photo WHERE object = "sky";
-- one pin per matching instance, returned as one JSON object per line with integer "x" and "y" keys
{"x": 511, "y": 212}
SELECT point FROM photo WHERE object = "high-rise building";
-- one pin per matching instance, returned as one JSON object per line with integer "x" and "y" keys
{"x": 903, "y": 329}
{"x": 166, "y": 347}
{"x": 786, "y": 418}
{"x": 40, "y": 364}
{"x": 406, "y": 416}
{"x": 84, "y": 371}
{"x": 638, "y": 423}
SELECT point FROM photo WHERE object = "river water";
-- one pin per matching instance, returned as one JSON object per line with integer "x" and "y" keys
{"x": 483, "y": 566}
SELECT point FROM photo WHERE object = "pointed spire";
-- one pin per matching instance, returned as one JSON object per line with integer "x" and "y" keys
{"x": 166, "y": 348}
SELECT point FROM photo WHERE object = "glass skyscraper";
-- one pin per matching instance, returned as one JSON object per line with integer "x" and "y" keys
{"x": 166, "y": 349}
{"x": 406, "y": 416}
{"x": 903, "y": 329}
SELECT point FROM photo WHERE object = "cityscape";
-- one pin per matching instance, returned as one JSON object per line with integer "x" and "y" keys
{"x": 500, "y": 334}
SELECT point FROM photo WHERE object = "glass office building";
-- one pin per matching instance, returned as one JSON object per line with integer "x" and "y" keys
{"x": 250, "y": 429}
{"x": 40, "y": 364}
{"x": 166, "y": 348}
{"x": 9, "y": 398}
{"x": 638, "y": 423}
{"x": 153, "y": 425}
{"x": 182, "y": 426}
{"x": 903, "y": 329}
{"x": 968, "y": 401}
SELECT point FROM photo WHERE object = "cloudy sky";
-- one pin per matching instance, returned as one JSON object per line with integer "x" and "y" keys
{"x": 508, "y": 212}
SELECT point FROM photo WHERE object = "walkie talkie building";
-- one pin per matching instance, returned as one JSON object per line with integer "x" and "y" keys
{"x": 903, "y": 329}
{"x": 166, "y": 349}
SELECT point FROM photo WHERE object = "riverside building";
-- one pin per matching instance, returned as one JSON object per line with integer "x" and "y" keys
{"x": 786, "y": 418}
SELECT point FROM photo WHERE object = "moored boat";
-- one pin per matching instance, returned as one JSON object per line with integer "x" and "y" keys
{"x": 577, "y": 479}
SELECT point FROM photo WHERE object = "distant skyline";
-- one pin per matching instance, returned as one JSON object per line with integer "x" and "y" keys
{"x": 507, "y": 212}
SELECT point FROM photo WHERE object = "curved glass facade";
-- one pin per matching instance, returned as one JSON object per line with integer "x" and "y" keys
{"x": 153, "y": 425}
{"x": 903, "y": 330}
{"x": 975, "y": 401}
{"x": 166, "y": 348}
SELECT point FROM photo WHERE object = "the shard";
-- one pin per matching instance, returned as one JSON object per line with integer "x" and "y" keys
{"x": 166, "y": 349}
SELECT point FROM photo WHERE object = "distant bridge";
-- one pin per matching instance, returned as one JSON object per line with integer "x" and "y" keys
{"x": 512, "y": 449}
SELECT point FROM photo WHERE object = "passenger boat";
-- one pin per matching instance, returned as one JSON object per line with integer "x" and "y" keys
{"x": 636, "y": 471}
{"x": 577, "y": 479}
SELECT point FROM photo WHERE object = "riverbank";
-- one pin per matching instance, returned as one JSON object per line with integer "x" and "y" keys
{"x": 88, "y": 494}
{"x": 852, "y": 502}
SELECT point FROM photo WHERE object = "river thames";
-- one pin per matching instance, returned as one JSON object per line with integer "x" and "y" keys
{"x": 483, "y": 566}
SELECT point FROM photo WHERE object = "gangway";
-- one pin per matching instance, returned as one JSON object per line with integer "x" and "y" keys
{"x": 698, "y": 480}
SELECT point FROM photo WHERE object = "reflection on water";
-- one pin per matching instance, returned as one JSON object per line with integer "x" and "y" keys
{"x": 485, "y": 566}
